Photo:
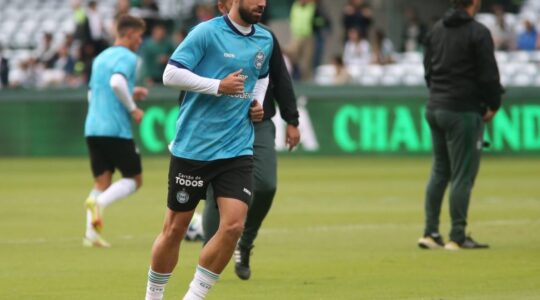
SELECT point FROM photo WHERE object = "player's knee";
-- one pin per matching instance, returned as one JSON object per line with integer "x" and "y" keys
{"x": 174, "y": 233}
{"x": 442, "y": 172}
{"x": 233, "y": 230}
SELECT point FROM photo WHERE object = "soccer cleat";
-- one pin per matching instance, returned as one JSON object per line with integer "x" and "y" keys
{"x": 97, "y": 242}
{"x": 431, "y": 241}
{"x": 452, "y": 246}
{"x": 241, "y": 257}
{"x": 92, "y": 205}
{"x": 469, "y": 243}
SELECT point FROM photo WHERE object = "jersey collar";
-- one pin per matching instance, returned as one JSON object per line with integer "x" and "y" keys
{"x": 231, "y": 25}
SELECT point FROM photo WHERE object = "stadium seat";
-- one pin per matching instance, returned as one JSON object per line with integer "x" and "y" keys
{"x": 535, "y": 57}
{"x": 501, "y": 56}
{"x": 487, "y": 19}
{"x": 520, "y": 56}
{"x": 412, "y": 57}
{"x": 397, "y": 70}
{"x": 509, "y": 69}
{"x": 390, "y": 80}
{"x": 536, "y": 81}
{"x": 9, "y": 26}
{"x": 414, "y": 69}
{"x": 324, "y": 75}
{"x": 28, "y": 26}
{"x": 529, "y": 69}
{"x": 521, "y": 80}
{"x": 367, "y": 80}
{"x": 373, "y": 70}
{"x": 413, "y": 80}
{"x": 355, "y": 71}
{"x": 505, "y": 80}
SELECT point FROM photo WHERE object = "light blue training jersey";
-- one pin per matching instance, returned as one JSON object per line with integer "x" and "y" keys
{"x": 210, "y": 127}
{"x": 107, "y": 116}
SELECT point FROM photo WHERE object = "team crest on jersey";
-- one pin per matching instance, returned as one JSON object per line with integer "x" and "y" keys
{"x": 182, "y": 197}
{"x": 259, "y": 60}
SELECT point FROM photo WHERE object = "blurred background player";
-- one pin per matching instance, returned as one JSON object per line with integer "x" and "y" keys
{"x": 108, "y": 125}
{"x": 214, "y": 139}
{"x": 465, "y": 92}
{"x": 155, "y": 54}
{"x": 264, "y": 157}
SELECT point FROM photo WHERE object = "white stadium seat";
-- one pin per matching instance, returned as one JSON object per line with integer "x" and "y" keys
{"x": 521, "y": 80}
{"x": 368, "y": 80}
{"x": 390, "y": 80}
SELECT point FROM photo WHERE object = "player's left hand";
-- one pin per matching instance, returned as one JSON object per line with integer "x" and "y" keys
{"x": 256, "y": 111}
{"x": 293, "y": 136}
{"x": 139, "y": 93}
{"x": 488, "y": 116}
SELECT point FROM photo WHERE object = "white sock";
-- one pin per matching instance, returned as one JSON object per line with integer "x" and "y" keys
{"x": 201, "y": 284}
{"x": 156, "y": 285}
{"x": 118, "y": 190}
{"x": 90, "y": 232}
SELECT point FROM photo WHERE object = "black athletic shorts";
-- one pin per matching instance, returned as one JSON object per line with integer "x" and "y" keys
{"x": 189, "y": 179}
{"x": 109, "y": 153}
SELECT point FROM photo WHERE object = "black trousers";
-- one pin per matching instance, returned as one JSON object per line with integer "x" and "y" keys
{"x": 457, "y": 139}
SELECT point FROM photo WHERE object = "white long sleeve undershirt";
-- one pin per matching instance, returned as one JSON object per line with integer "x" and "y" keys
{"x": 259, "y": 91}
{"x": 120, "y": 88}
{"x": 184, "y": 79}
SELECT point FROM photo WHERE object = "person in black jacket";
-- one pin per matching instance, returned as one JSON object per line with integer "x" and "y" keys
{"x": 4, "y": 70}
{"x": 264, "y": 155}
{"x": 465, "y": 92}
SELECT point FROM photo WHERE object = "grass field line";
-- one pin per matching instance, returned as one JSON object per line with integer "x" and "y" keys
{"x": 324, "y": 228}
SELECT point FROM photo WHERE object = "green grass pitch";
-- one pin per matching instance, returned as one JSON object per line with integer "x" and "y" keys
{"x": 340, "y": 228}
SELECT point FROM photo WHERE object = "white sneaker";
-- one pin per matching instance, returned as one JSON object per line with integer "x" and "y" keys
{"x": 97, "y": 242}
{"x": 433, "y": 241}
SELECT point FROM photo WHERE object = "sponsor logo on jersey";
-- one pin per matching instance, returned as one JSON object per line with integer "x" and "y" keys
{"x": 229, "y": 55}
{"x": 189, "y": 181}
{"x": 244, "y": 95}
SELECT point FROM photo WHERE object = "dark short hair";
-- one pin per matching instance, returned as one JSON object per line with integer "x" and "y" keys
{"x": 461, "y": 3}
{"x": 126, "y": 22}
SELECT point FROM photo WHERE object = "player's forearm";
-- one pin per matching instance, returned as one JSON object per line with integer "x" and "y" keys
{"x": 259, "y": 91}
{"x": 186, "y": 80}
{"x": 120, "y": 88}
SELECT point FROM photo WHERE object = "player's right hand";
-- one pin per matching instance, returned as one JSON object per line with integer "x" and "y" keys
{"x": 488, "y": 116}
{"x": 137, "y": 115}
{"x": 256, "y": 111}
{"x": 233, "y": 84}
{"x": 139, "y": 93}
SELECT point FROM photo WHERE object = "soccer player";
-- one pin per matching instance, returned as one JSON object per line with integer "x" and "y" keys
{"x": 223, "y": 66}
{"x": 264, "y": 156}
{"x": 107, "y": 130}
{"x": 465, "y": 93}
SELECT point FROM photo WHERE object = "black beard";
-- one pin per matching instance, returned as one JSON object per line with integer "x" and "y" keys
{"x": 247, "y": 16}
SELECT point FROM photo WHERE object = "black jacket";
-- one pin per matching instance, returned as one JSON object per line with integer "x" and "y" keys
{"x": 280, "y": 89}
{"x": 461, "y": 71}
{"x": 4, "y": 72}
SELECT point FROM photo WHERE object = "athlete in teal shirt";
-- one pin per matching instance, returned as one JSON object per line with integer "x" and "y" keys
{"x": 223, "y": 67}
{"x": 212, "y": 127}
{"x": 107, "y": 130}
